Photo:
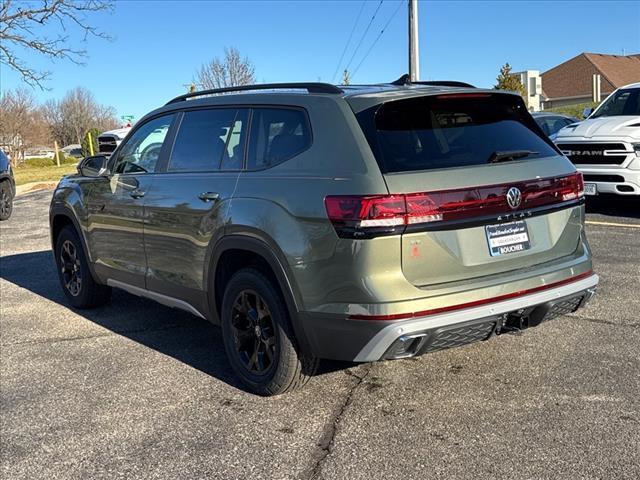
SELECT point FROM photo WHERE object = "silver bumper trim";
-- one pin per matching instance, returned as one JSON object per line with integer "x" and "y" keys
{"x": 378, "y": 345}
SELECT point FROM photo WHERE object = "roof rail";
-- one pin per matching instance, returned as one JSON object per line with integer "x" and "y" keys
{"x": 405, "y": 80}
{"x": 311, "y": 87}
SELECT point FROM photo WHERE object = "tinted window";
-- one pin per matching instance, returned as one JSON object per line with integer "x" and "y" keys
{"x": 622, "y": 102}
{"x": 543, "y": 124}
{"x": 445, "y": 131}
{"x": 277, "y": 134}
{"x": 209, "y": 140}
{"x": 551, "y": 124}
{"x": 557, "y": 123}
{"x": 141, "y": 151}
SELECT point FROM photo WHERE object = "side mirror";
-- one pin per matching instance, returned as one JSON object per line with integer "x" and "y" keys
{"x": 95, "y": 166}
{"x": 586, "y": 112}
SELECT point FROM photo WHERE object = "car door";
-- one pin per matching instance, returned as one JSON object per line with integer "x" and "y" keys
{"x": 116, "y": 204}
{"x": 186, "y": 208}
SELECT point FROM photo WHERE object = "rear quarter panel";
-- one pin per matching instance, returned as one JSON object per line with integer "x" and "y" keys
{"x": 285, "y": 204}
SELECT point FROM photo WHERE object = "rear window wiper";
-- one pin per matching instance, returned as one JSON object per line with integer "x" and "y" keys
{"x": 497, "y": 157}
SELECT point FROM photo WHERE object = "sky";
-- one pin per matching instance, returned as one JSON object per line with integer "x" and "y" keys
{"x": 157, "y": 46}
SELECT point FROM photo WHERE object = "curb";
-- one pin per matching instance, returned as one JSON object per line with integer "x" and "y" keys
{"x": 34, "y": 187}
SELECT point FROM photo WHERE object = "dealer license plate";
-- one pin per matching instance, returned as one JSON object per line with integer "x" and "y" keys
{"x": 508, "y": 238}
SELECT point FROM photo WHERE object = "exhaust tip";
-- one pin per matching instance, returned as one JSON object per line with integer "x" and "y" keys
{"x": 406, "y": 346}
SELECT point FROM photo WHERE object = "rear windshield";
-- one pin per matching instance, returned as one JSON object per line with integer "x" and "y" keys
{"x": 454, "y": 130}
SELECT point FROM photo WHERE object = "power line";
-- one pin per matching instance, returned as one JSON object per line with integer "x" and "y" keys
{"x": 333, "y": 78}
{"x": 377, "y": 38}
{"x": 364, "y": 35}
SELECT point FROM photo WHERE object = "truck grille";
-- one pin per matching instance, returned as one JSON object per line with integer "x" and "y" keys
{"x": 107, "y": 144}
{"x": 594, "y": 153}
{"x": 603, "y": 178}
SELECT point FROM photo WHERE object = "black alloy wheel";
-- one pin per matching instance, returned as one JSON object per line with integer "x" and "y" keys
{"x": 70, "y": 268}
{"x": 258, "y": 336}
{"x": 255, "y": 338}
{"x": 6, "y": 201}
{"x": 76, "y": 280}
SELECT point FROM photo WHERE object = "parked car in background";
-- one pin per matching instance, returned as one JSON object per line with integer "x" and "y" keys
{"x": 73, "y": 150}
{"x": 551, "y": 122}
{"x": 108, "y": 141}
{"x": 358, "y": 223}
{"x": 7, "y": 187}
{"x": 40, "y": 152}
{"x": 605, "y": 147}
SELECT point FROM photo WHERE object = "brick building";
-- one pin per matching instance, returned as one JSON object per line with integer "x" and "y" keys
{"x": 572, "y": 82}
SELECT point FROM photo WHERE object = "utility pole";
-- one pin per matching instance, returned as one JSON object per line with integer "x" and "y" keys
{"x": 414, "y": 56}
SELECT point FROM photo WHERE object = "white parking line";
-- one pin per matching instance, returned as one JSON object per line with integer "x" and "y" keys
{"x": 610, "y": 224}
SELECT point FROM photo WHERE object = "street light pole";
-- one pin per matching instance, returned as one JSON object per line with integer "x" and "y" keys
{"x": 414, "y": 56}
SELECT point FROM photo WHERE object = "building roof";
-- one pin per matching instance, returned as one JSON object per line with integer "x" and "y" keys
{"x": 619, "y": 70}
{"x": 573, "y": 77}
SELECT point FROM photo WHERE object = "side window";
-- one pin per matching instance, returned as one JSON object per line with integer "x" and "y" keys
{"x": 141, "y": 150}
{"x": 543, "y": 123}
{"x": 210, "y": 140}
{"x": 277, "y": 134}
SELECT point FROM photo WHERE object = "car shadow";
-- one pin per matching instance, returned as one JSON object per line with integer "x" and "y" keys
{"x": 614, "y": 206}
{"x": 172, "y": 332}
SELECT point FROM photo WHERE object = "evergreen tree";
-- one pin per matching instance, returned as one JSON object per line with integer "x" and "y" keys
{"x": 507, "y": 81}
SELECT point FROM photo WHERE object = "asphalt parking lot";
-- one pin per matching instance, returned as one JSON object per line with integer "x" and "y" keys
{"x": 138, "y": 390}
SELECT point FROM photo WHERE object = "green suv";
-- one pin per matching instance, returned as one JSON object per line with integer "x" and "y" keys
{"x": 310, "y": 221}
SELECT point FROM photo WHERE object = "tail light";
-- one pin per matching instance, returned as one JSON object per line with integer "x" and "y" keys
{"x": 376, "y": 215}
{"x": 457, "y": 96}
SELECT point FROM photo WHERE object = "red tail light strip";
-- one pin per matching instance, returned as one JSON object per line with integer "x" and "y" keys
{"x": 354, "y": 216}
{"x": 476, "y": 303}
{"x": 454, "y": 96}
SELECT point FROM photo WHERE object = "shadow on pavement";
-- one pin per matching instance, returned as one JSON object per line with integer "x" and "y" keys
{"x": 614, "y": 205}
{"x": 177, "y": 334}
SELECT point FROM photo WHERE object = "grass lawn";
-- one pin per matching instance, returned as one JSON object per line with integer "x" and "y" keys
{"x": 26, "y": 174}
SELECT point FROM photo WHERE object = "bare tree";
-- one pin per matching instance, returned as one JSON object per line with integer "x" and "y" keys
{"x": 20, "y": 31}
{"x": 231, "y": 71}
{"x": 16, "y": 122}
{"x": 78, "y": 111}
{"x": 70, "y": 118}
{"x": 53, "y": 117}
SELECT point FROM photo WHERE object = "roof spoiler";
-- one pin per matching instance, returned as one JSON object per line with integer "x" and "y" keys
{"x": 406, "y": 80}
{"x": 311, "y": 87}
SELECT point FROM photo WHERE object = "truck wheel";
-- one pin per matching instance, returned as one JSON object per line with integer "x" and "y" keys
{"x": 6, "y": 200}
{"x": 258, "y": 336}
{"x": 76, "y": 280}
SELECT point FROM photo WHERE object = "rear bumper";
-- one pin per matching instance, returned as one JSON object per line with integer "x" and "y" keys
{"x": 621, "y": 181}
{"x": 372, "y": 340}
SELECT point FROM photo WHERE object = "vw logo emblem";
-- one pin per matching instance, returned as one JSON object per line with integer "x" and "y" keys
{"x": 514, "y": 197}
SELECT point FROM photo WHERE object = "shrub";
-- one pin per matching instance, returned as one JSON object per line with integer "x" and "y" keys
{"x": 49, "y": 162}
{"x": 69, "y": 159}
{"x": 39, "y": 162}
{"x": 573, "y": 110}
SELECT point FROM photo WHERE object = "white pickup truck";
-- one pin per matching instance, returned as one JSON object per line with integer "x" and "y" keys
{"x": 605, "y": 147}
{"x": 108, "y": 141}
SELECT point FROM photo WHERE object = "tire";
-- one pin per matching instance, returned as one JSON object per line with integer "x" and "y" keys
{"x": 254, "y": 313}
{"x": 71, "y": 262}
{"x": 6, "y": 200}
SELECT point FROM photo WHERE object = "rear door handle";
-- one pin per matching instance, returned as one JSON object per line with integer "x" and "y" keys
{"x": 209, "y": 196}
{"x": 136, "y": 193}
